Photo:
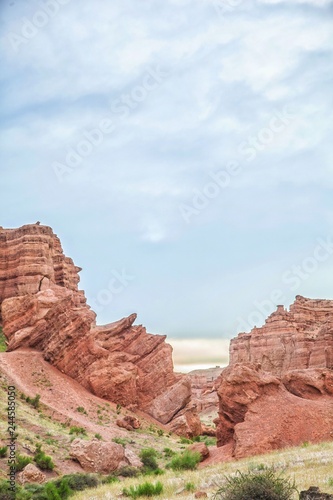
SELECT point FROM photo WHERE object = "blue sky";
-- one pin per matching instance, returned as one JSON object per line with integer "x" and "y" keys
{"x": 181, "y": 150}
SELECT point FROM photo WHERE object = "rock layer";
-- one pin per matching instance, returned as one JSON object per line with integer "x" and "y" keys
{"x": 31, "y": 258}
{"x": 42, "y": 308}
{"x": 278, "y": 388}
{"x": 296, "y": 339}
{"x": 204, "y": 392}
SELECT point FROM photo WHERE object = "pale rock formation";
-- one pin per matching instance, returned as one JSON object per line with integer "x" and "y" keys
{"x": 31, "y": 474}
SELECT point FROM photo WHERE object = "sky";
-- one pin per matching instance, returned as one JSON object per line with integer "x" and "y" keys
{"x": 180, "y": 149}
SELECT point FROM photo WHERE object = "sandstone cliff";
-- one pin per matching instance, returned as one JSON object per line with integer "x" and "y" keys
{"x": 278, "y": 388}
{"x": 42, "y": 308}
{"x": 296, "y": 339}
{"x": 203, "y": 388}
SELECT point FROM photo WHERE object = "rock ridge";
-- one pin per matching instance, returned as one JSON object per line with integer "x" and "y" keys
{"x": 42, "y": 308}
{"x": 300, "y": 338}
{"x": 278, "y": 388}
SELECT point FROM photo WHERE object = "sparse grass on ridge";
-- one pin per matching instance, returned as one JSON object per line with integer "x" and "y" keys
{"x": 310, "y": 466}
{"x": 3, "y": 345}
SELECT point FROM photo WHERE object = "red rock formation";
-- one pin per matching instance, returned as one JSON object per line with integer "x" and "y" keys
{"x": 299, "y": 338}
{"x": 31, "y": 257}
{"x": 98, "y": 456}
{"x": 259, "y": 414}
{"x": 201, "y": 448}
{"x": 278, "y": 388}
{"x": 204, "y": 393}
{"x": 42, "y": 308}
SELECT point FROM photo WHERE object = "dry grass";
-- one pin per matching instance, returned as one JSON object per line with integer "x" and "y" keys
{"x": 310, "y": 465}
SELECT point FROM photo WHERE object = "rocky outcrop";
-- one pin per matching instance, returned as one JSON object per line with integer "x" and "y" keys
{"x": 201, "y": 448}
{"x": 296, "y": 339}
{"x": 98, "y": 456}
{"x": 278, "y": 389}
{"x": 313, "y": 493}
{"x": 259, "y": 414}
{"x": 42, "y": 308}
{"x": 31, "y": 258}
{"x": 129, "y": 423}
{"x": 31, "y": 474}
{"x": 204, "y": 393}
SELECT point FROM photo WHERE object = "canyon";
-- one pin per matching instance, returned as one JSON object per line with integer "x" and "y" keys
{"x": 277, "y": 390}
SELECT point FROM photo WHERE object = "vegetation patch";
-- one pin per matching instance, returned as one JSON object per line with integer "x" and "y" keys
{"x": 42, "y": 460}
{"x": 121, "y": 441}
{"x": 3, "y": 451}
{"x": 146, "y": 489}
{"x": 188, "y": 460}
{"x": 3, "y": 344}
{"x": 78, "y": 482}
{"x": 148, "y": 458}
{"x": 78, "y": 430}
{"x": 257, "y": 484}
{"x": 22, "y": 461}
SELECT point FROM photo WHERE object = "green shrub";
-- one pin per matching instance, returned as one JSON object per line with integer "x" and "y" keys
{"x": 37, "y": 491}
{"x": 80, "y": 409}
{"x": 5, "y": 493}
{"x": 23, "y": 494}
{"x": 64, "y": 489}
{"x": 208, "y": 440}
{"x": 22, "y": 461}
{"x": 111, "y": 478}
{"x": 33, "y": 401}
{"x": 160, "y": 432}
{"x": 52, "y": 492}
{"x": 121, "y": 441}
{"x": 168, "y": 452}
{"x": 190, "y": 487}
{"x": 3, "y": 451}
{"x": 148, "y": 458}
{"x": 98, "y": 436}
{"x": 184, "y": 440}
{"x": 128, "y": 471}
{"x": 145, "y": 489}
{"x": 3, "y": 344}
{"x": 188, "y": 460}
{"x": 257, "y": 485}
{"x": 77, "y": 430}
{"x": 43, "y": 461}
{"x": 118, "y": 409}
{"x": 78, "y": 482}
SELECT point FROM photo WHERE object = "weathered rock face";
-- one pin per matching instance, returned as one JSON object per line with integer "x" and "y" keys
{"x": 296, "y": 339}
{"x": 259, "y": 414}
{"x": 204, "y": 393}
{"x": 31, "y": 474}
{"x": 31, "y": 257}
{"x": 42, "y": 308}
{"x": 278, "y": 389}
{"x": 97, "y": 456}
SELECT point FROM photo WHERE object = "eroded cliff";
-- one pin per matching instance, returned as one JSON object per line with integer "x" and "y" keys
{"x": 42, "y": 308}
{"x": 278, "y": 388}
